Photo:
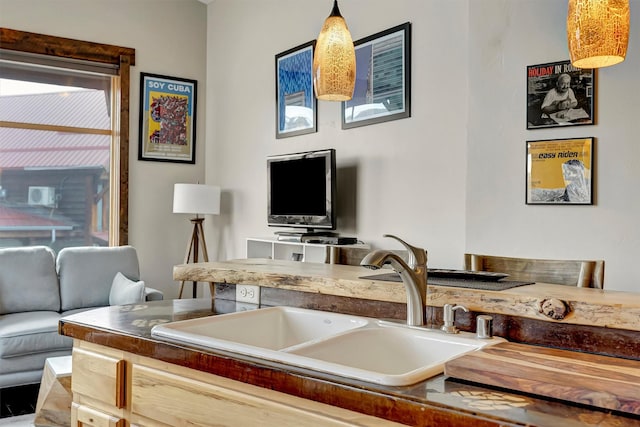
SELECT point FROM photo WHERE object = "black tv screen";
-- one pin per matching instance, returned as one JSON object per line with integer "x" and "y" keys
{"x": 301, "y": 190}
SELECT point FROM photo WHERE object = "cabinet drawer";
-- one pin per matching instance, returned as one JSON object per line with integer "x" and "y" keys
{"x": 83, "y": 416}
{"x": 99, "y": 376}
{"x": 174, "y": 400}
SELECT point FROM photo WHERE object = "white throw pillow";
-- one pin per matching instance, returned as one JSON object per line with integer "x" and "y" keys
{"x": 125, "y": 291}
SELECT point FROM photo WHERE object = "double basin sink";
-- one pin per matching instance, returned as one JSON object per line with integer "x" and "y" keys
{"x": 356, "y": 347}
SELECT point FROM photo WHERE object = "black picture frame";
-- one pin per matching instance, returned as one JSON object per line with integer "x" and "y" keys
{"x": 167, "y": 119}
{"x": 296, "y": 103}
{"x": 541, "y": 83}
{"x": 383, "y": 79}
{"x": 560, "y": 171}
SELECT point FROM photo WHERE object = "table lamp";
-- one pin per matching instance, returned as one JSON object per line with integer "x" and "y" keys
{"x": 196, "y": 199}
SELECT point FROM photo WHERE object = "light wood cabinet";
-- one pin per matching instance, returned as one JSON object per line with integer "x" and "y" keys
{"x": 98, "y": 382}
{"x": 84, "y": 416}
{"x": 156, "y": 393}
{"x": 99, "y": 375}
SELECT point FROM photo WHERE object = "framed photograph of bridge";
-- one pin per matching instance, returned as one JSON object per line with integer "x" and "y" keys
{"x": 167, "y": 119}
{"x": 383, "y": 79}
{"x": 296, "y": 103}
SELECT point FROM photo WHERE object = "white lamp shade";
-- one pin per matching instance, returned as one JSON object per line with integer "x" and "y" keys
{"x": 196, "y": 199}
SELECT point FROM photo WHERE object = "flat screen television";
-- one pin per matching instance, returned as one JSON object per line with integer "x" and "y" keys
{"x": 301, "y": 190}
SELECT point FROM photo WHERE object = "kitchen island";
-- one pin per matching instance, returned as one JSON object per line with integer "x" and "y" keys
{"x": 121, "y": 373}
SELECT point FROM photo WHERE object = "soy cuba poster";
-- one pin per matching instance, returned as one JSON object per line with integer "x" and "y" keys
{"x": 167, "y": 118}
{"x": 560, "y": 171}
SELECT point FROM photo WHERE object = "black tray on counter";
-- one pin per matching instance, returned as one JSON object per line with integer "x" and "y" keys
{"x": 439, "y": 273}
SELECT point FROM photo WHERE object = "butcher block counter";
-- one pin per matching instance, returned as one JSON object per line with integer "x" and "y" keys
{"x": 439, "y": 401}
{"x": 592, "y": 307}
{"x": 601, "y": 381}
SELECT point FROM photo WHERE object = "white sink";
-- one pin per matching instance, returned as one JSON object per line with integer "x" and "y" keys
{"x": 273, "y": 328}
{"x": 355, "y": 347}
{"x": 390, "y": 354}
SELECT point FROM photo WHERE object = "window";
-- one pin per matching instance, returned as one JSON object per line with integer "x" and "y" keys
{"x": 63, "y": 141}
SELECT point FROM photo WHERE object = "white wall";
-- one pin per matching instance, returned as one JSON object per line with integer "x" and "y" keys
{"x": 169, "y": 37}
{"x": 508, "y": 36}
{"x": 450, "y": 178}
{"x": 410, "y": 173}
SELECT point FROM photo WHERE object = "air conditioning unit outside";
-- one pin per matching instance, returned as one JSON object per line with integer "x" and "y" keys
{"x": 42, "y": 196}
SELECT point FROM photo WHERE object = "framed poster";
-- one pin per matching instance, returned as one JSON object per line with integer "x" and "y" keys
{"x": 559, "y": 94}
{"x": 167, "y": 119}
{"x": 383, "y": 79}
{"x": 560, "y": 172}
{"x": 296, "y": 103}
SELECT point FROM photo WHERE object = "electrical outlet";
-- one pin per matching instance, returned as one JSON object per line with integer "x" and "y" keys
{"x": 248, "y": 293}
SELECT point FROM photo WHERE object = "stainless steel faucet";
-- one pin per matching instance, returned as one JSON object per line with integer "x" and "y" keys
{"x": 449, "y": 318}
{"x": 413, "y": 274}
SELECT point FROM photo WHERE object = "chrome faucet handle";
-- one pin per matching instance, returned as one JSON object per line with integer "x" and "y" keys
{"x": 449, "y": 319}
{"x": 417, "y": 256}
{"x": 484, "y": 327}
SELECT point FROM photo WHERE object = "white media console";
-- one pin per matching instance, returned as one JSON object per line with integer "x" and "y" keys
{"x": 271, "y": 247}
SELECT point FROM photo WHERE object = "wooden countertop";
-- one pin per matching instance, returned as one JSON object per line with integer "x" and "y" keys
{"x": 606, "y": 382}
{"x": 437, "y": 401}
{"x": 592, "y": 307}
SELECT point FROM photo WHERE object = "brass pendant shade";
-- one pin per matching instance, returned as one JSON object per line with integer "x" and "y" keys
{"x": 334, "y": 60}
{"x": 597, "y": 32}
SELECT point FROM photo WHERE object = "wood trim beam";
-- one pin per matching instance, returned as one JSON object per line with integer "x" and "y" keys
{"x": 125, "y": 76}
{"x": 23, "y": 41}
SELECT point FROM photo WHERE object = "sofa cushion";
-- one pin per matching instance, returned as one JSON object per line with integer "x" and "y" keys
{"x": 86, "y": 273}
{"x": 28, "y": 280}
{"x": 77, "y": 310}
{"x": 17, "y": 371}
{"x": 125, "y": 291}
{"x": 29, "y": 333}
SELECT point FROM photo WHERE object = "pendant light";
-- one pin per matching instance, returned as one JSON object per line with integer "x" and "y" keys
{"x": 334, "y": 60}
{"x": 597, "y": 32}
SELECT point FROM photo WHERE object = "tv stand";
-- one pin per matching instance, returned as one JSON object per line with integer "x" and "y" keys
{"x": 301, "y": 236}
{"x": 274, "y": 248}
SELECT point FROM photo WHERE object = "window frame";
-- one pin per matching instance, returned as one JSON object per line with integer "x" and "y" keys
{"x": 123, "y": 59}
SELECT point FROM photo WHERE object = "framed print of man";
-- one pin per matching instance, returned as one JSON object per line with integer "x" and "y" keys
{"x": 559, "y": 94}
